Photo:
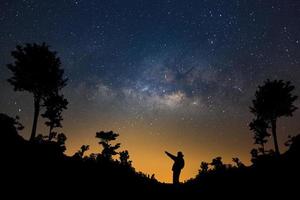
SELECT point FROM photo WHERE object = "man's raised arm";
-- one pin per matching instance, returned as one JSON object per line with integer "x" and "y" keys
{"x": 170, "y": 155}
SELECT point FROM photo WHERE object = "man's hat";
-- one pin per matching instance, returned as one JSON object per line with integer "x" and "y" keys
{"x": 180, "y": 154}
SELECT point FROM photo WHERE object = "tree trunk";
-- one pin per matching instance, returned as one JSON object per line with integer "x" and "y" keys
{"x": 35, "y": 117}
{"x": 273, "y": 124}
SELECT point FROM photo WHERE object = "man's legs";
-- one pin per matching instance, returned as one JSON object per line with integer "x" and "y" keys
{"x": 176, "y": 174}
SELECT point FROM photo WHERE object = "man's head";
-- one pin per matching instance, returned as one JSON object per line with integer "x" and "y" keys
{"x": 180, "y": 154}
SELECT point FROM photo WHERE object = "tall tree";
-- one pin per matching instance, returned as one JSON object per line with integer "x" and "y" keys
{"x": 54, "y": 104}
{"x": 109, "y": 150}
{"x": 38, "y": 71}
{"x": 260, "y": 129}
{"x": 273, "y": 100}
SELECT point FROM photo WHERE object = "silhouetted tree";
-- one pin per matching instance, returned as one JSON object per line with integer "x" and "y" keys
{"x": 109, "y": 150}
{"x": 217, "y": 163}
{"x": 40, "y": 138}
{"x": 294, "y": 144}
{"x": 84, "y": 148}
{"x": 254, "y": 155}
{"x": 37, "y": 70}
{"x": 259, "y": 127}
{"x": 52, "y": 135}
{"x": 238, "y": 163}
{"x": 80, "y": 153}
{"x": 54, "y": 104}
{"x": 203, "y": 168}
{"x": 61, "y": 140}
{"x": 92, "y": 157}
{"x": 273, "y": 100}
{"x": 9, "y": 128}
{"x": 124, "y": 158}
{"x": 58, "y": 140}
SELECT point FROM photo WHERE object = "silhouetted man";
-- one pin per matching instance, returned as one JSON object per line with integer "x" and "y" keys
{"x": 177, "y": 166}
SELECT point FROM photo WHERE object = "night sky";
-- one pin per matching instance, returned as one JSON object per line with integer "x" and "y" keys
{"x": 165, "y": 75}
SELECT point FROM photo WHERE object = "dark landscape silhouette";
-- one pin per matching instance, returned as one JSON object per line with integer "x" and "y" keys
{"x": 39, "y": 164}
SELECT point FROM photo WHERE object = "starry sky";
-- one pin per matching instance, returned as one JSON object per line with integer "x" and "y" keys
{"x": 164, "y": 74}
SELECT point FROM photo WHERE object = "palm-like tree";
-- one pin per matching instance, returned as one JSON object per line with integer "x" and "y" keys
{"x": 273, "y": 100}
{"x": 36, "y": 70}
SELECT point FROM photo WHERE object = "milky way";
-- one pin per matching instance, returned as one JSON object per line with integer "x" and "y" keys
{"x": 176, "y": 75}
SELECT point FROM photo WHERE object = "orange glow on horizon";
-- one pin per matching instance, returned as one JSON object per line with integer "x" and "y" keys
{"x": 146, "y": 145}
{"x": 147, "y": 151}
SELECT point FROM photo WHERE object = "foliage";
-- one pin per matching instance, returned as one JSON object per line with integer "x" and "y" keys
{"x": 54, "y": 105}
{"x": 203, "y": 167}
{"x": 109, "y": 150}
{"x": 36, "y": 70}
{"x": 259, "y": 127}
{"x": 273, "y": 100}
{"x": 81, "y": 151}
{"x": 124, "y": 158}
{"x": 217, "y": 163}
{"x": 238, "y": 162}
